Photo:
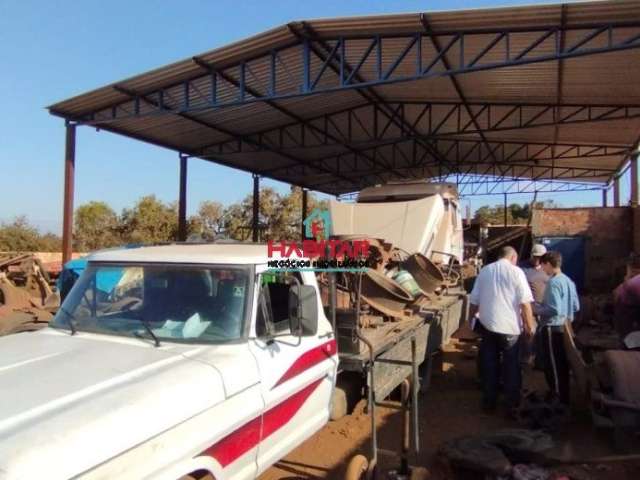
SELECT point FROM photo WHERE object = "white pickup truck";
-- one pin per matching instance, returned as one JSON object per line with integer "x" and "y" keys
{"x": 168, "y": 362}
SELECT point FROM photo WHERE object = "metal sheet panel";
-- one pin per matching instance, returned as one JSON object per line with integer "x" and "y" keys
{"x": 606, "y": 79}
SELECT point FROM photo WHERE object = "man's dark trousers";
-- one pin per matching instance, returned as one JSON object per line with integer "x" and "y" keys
{"x": 500, "y": 353}
{"x": 556, "y": 364}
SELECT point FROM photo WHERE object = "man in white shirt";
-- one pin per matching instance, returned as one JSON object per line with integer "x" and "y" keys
{"x": 502, "y": 299}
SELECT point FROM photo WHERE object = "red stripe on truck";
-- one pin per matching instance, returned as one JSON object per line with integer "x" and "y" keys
{"x": 235, "y": 444}
{"x": 240, "y": 441}
{"x": 309, "y": 359}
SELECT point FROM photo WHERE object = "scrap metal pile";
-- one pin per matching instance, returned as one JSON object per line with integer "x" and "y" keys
{"x": 396, "y": 286}
{"x": 27, "y": 300}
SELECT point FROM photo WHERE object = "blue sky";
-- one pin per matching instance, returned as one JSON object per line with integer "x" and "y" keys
{"x": 51, "y": 50}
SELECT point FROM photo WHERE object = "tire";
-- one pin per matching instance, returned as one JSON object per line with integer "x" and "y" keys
{"x": 490, "y": 453}
{"x": 346, "y": 395}
{"x": 207, "y": 476}
{"x": 357, "y": 468}
{"x": 339, "y": 404}
{"x": 625, "y": 374}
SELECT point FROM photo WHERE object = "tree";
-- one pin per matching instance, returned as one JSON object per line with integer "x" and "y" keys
{"x": 149, "y": 221}
{"x": 550, "y": 203}
{"x": 291, "y": 217}
{"x": 279, "y": 219}
{"x": 19, "y": 236}
{"x": 487, "y": 214}
{"x": 95, "y": 227}
{"x": 50, "y": 242}
{"x": 238, "y": 217}
{"x": 236, "y": 221}
{"x": 208, "y": 221}
{"x": 516, "y": 214}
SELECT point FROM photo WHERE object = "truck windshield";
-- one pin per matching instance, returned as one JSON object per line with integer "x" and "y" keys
{"x": 179, "y": 303}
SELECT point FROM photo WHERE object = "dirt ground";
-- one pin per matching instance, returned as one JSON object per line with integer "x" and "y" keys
{"x": 451, "y": 408}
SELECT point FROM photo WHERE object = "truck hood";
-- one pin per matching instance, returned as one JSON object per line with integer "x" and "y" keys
{"x": 68, "y": 403}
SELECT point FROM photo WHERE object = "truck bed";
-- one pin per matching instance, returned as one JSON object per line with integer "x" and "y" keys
{"x": 391, "y": 342}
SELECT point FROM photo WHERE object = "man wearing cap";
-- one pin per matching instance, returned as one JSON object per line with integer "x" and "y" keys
{"x": 538, "y": 280}
{"x": 535, "y": 274}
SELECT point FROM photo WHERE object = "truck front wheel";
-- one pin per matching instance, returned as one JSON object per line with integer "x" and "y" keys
{"x": 200, "y": 475}
{"x": 346, "y": 394}
{"x": 339, "y": 404}
{"x": 357, "y": 468}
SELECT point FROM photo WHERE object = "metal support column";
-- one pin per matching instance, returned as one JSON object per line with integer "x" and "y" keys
{"x": 505, "y": 209}
{"x": 256, "y": 208}
{"x": 616, "y": 192}
{"x": 634, "y": 178}
{"x": 67, "y": 209}
{"x": 604, "y": 197}
{"x": 304, "y": 211}
{"x": 182, "y": 200}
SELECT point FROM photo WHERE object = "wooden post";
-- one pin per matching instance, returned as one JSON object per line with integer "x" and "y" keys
{"x": 616, "y": 192}
{"x": 69, "y": 176}
{"x": 604, "y": 197}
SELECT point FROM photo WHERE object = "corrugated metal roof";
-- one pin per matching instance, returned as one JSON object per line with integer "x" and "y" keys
{"x": 252, "y": 104}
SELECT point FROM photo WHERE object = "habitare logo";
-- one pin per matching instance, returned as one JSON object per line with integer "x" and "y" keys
{"x": 318, "y": 251}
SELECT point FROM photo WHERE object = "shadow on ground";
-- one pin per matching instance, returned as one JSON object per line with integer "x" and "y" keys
{"x": 450, "y": 408}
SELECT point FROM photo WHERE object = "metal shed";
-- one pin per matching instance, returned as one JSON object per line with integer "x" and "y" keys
{"x": 537, "y": 98}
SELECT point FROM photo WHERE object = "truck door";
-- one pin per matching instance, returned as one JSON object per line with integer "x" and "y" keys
{"x": 298, "y": 373}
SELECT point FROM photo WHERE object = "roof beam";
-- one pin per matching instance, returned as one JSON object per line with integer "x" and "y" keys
{"x": 225, "y": 131}
{"x": 518, "y": 171}
{"x": 344, "y": 68}
{"x": 470, "y": 151}
{"x": 242, "y": 86}
{"x": 498, "y": 186}
{"x": 428, "y": 119}
{"x": 456, "y": 85}
{"x": 560, "y": 73}
{"x": 619, "y": 36}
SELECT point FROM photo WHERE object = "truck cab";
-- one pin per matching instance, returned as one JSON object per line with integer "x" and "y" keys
{"x": 168, "y": 362}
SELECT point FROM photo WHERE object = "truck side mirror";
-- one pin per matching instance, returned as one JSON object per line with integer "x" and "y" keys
{"x": 303, "y": 310}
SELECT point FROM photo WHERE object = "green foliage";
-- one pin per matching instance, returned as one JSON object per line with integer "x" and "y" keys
{"x": 516, "y": 214}
{"x": 237, "y": 221}
{"x": 149, "y": 221}
{"x": 95, "y": 226}
{"x": 280, "y": 216}
{"x": 21, "y": 236}
{"x": 237, "y": 218}
{"x": 208, "y": 222}
{"x": 289, "y": 226}
{"x": 50, "y": 242}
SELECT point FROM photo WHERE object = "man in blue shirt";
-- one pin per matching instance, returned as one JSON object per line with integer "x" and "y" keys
{"x": 559, "y": 305}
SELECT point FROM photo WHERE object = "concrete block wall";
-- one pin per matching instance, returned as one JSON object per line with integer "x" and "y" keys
{"x": 610, "y": 239}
